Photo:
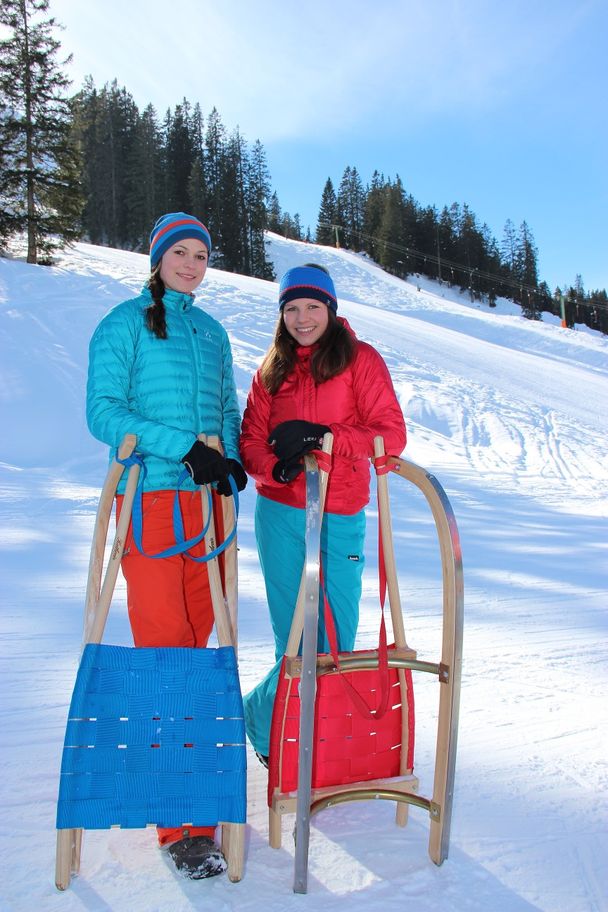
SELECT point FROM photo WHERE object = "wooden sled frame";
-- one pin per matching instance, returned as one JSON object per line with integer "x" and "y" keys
{"x": 97, "y": 604}
{"x": 403, "y": 789}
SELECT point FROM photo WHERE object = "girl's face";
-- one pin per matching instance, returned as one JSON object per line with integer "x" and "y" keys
{"x": 305, "y": 320}
{"x": 183, "y": 266}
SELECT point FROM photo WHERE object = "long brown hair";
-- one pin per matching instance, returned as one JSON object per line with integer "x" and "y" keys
{"x": 156, "y": 318}
{"x": 334, "y": 352}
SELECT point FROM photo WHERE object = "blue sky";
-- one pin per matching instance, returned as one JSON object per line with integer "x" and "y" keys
{"x": 499, "y": 105}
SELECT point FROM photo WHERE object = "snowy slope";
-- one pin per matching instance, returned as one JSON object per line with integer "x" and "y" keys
{"x": 511, "y": 416}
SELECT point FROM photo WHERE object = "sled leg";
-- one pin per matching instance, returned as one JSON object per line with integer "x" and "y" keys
{"x": 76, "y": 851}
{"x": 274, "y": 828}
{"x": 233, "y": 848}
{"x": 67, "y": 861}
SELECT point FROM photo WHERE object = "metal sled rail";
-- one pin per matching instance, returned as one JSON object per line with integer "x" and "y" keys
{"x": 451, "y": 650}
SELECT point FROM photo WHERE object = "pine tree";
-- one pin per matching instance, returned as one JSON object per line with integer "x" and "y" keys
{"x": 526, "y": 271}
{"x": 372, "y": 213}
{"x": 350, "y": 201}
{"x": 447, "y": 238}
{"x": 390, "y": 232}
{"x": 86, "y": 115}
{"x": 327, "y": 214}
{"x": 233, "y": 227}
{"x": 145, "y": 193}
{"x": 197, "y": 193}
{"x": 508, "y": 247}
{"x": 115, "y": 136}
{"x": 426, "y": 239}
{"x": 180, "y": 157}
{"x": 275, "y": 215}
{"x": 469, "y": 251}
{"x": 258, "y": 193}
{"x": 527, "y": 254}
{"x": 40, "y": 190}
{"x": 196, "y": 190}
{"x": 215, "y": 139}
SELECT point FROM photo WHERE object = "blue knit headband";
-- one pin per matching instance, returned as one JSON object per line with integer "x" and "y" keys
{"x": 174, "y": 227}
{"x": 307, "y": 282}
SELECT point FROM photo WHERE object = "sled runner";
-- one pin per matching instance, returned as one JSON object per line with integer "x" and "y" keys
{"x": 343, "y": 726}
{"x": 155, "y": 736}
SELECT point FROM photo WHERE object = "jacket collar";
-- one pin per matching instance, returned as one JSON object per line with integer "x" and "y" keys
{"x": 173, "y": 300}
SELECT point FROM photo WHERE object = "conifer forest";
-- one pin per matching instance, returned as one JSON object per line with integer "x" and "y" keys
{"x": 91, "y": 165}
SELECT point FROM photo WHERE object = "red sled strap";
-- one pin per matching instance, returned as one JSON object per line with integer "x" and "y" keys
{"x": 382, "y": 467}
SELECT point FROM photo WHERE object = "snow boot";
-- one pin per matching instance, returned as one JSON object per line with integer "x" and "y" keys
{"x": 197, "y": 857}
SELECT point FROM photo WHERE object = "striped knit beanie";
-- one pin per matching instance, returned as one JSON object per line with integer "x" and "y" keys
{"x": 174, "y": 227}
{"x": 308, "y": 282}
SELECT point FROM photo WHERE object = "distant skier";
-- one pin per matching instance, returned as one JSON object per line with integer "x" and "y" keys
{"x": 316, "y": 377}
{"x": 161, "y": 368}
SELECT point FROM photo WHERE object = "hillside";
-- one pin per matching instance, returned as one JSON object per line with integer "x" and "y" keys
{"x": 511, "y": 416}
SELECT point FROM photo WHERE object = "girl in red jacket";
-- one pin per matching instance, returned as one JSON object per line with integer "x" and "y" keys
{"x": 316, "y": 377}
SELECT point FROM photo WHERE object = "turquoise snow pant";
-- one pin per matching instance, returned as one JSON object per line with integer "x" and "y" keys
{"x": 280, "y": 534}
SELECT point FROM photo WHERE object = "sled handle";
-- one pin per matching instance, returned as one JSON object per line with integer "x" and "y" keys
{"x": 224, "y": 603}
{"x": 388, "y": 549}
{"x": 98, "y": 595}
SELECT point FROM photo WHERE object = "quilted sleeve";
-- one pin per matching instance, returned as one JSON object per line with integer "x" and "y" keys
{"x": 258, "y": 457}
{"x": 231, "y": 416}
{"x": 378, "y": 409}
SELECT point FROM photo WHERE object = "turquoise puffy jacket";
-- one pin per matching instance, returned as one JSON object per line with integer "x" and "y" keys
{"x": 165, "y": 391}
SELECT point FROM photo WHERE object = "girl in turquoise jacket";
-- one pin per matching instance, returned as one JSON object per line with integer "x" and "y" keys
{"x": 161, "y": 368}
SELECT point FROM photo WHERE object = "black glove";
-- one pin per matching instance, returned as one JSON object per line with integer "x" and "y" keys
{"x": 240, "y": 478}
{"x": 295, "y": 438}
{"x": 286, "y": 470}
{"x": 205, "y": 464}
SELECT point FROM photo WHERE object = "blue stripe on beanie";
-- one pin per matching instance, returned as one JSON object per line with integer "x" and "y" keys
{"x": 307, "y": 282}
{"x": 174, "y": 227}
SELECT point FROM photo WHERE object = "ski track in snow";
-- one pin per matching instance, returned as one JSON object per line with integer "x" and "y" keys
{"x": 511, "y": 417}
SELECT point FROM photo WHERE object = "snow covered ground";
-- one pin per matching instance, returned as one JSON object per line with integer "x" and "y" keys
{"x": 511, "y": 416}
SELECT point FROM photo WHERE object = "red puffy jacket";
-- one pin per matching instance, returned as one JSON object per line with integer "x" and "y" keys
{"x": 358, "y": 405}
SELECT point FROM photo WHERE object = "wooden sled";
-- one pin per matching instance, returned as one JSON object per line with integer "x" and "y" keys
{"x": 195, "y": 667}
{"x": 307, "y": 800}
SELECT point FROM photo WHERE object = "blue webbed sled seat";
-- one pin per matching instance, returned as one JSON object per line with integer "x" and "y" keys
{"x": 154, "y": 736}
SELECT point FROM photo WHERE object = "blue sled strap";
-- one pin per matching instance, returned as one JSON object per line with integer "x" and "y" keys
{"x": 182, "y": 544}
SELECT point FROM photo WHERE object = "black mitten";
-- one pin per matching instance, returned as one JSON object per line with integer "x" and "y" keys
{"x": 295, "y": 438}
{"x": 240, "y": 478}
{"x": 205, "y": 464}
{"x": 286, "y": 470}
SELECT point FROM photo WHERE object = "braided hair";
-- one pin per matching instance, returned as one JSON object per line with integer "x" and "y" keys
{"x": 156, "y": 319}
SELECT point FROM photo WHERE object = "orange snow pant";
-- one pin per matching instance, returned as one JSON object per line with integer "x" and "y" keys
{"x": 169, "y": 599}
